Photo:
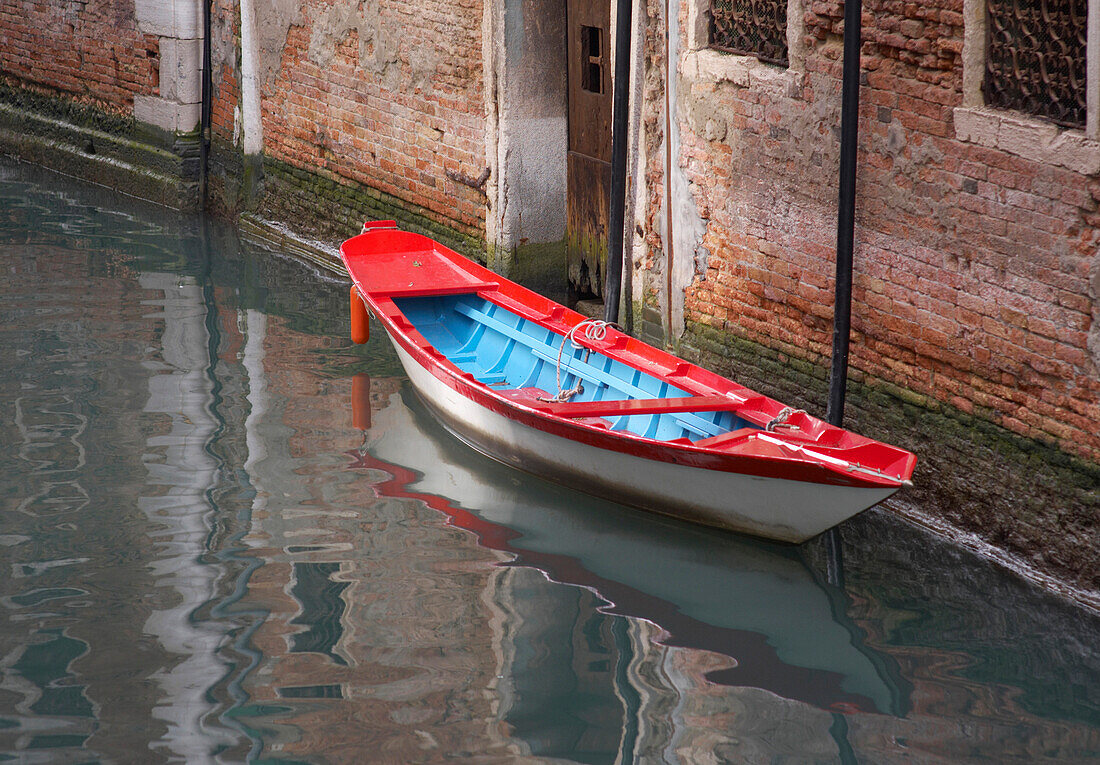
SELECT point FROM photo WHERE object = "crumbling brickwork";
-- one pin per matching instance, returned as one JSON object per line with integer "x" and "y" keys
{"x": 386, "y": 95}
{"x": 88, "y": 52}
{"x": 972, "y": 263}
{"x": 225, "y": 73}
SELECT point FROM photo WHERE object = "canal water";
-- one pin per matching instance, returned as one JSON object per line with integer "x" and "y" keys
{"x": 228, "y": 535}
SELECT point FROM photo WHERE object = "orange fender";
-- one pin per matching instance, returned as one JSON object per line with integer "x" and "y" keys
{"x": 360, "y": 322}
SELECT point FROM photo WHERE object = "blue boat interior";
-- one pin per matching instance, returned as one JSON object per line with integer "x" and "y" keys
{"x": 508, "y": 352}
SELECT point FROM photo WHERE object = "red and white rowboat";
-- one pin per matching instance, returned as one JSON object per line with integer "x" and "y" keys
{"x": 539, "y": 387}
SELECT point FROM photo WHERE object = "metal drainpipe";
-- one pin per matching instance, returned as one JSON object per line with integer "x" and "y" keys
{"x": 207, "y": 98}
{"x": 619, "y": 115}
{"x": 845, "y": 225}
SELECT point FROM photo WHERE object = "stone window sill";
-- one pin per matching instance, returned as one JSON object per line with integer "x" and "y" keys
{"x": 744, "y": 71}
{"x": 1028, "y": 138}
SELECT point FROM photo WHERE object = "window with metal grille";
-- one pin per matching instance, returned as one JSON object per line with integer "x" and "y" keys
{"x": 750, "y": 27}
{"x": 1035, "y": 60}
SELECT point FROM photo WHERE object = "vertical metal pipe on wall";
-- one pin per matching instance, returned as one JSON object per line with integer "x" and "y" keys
{"x": 1092, "y": 74}
{"x": 845, "y": 226}
{"x": 619, "y": 138}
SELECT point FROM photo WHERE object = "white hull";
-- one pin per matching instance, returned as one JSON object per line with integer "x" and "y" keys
{"x": 775, "y": 508}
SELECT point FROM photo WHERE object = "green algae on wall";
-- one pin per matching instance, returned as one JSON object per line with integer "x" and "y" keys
{"x": 67, "y": 111}
{"x": 316, "y": 205}
{"x": 109, "y": 149}
{"x": 323, "y": 207}
{"x": 539, "y": 267}
{"x": 587, "y": 263}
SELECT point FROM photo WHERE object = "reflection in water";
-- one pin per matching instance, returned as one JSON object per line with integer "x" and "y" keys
{"x": 321, "y": 609}
{"x": 181, "y": 473}
{"x": 51, "y": 691}
{"x": 557, "y": 659}
{"x": 707, "y": 590}
{"x": 704, "y": 589}
{"x": 193, "y": 573}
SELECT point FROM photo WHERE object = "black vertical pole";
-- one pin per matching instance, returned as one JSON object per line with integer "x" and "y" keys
{"x": 207, "y": 98}
{"x": 845, "y": 224}
{"x": 617, "y": 208}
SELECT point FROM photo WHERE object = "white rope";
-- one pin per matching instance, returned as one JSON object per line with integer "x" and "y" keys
{"x": 595, "y": 330}
{"x": 780, "y": 420}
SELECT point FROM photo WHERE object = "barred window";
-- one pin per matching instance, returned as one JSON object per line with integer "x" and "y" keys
{"x": 1035, "y": 60}
{"x": 750, "y": 27}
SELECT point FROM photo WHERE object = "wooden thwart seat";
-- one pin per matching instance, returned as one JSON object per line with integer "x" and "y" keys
{"x": 629, "y": 406}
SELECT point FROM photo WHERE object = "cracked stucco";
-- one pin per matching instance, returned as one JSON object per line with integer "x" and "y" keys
{"x": 379, "y": 43}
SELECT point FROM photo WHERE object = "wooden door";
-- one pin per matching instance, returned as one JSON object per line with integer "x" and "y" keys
{"x": 589, "y": 159}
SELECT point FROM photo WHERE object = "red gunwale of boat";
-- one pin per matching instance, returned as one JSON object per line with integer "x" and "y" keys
{"x": 386, "y": 263}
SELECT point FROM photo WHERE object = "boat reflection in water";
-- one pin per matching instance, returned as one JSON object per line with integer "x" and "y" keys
{"x": 753, "y": 601}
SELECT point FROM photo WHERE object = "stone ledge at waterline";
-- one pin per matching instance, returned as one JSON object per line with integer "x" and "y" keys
{"x": 108, "y": 150}
{"x": 1035, "y": 503}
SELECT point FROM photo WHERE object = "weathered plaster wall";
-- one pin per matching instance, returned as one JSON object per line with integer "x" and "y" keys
{"x": 225, "y": 71}
{"x": 528, "y": 187}
{"x": 683, "y": 229}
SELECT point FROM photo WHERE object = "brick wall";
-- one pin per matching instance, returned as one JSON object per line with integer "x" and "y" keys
{"x": 388, "y": 97}
{"x": 972, "y": 263}
{"x": 225, "y": 79}
{"x": 90, "y": 52}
